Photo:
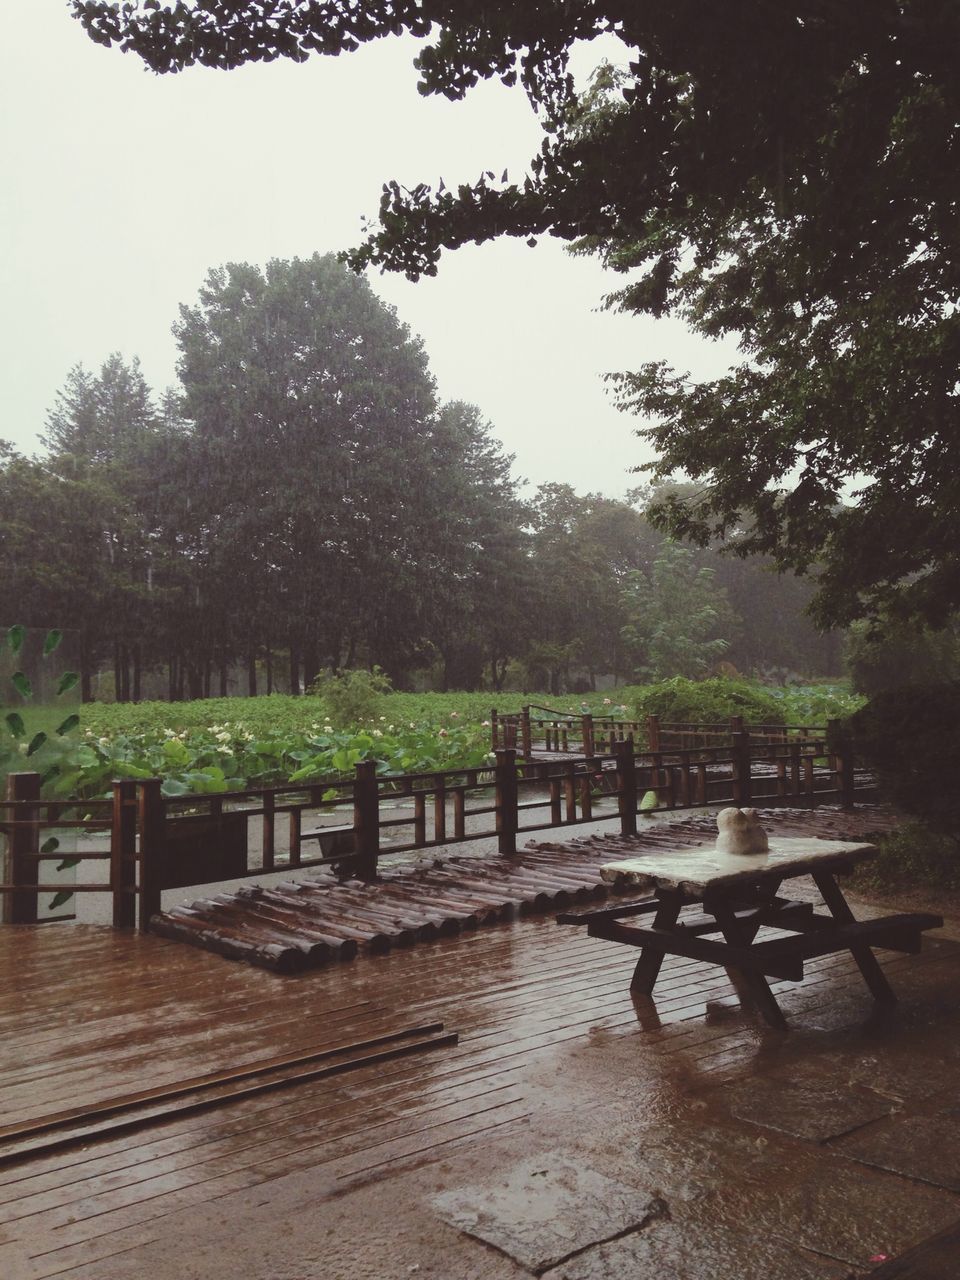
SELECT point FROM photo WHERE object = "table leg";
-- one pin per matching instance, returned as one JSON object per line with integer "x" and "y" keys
{"x": 867, "y": 962}
{"x": 648, "y": 966}
{"x": 755, "y": 984}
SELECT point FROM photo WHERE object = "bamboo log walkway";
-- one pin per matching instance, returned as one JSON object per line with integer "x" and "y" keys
{"x": 306, "y": 922}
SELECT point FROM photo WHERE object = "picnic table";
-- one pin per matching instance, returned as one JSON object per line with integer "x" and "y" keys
{"x": 739, "y": 896}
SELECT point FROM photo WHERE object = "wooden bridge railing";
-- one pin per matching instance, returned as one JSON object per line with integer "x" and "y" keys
{"x": 159, "y": 843}
{"x": 535, "y": 730}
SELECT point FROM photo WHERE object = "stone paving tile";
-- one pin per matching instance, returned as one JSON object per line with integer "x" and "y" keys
{"x": 684, "y": 1251}
{"x": 541, "y": 1210}
{"x": 924, "y": 1147}
{"x": 816, "y": 1110}
{"x": 842, "y": 1210}
{"x": 756, "y": 1183}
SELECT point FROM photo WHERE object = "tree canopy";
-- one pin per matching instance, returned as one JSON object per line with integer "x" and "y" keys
{"x": 785, "y": 172}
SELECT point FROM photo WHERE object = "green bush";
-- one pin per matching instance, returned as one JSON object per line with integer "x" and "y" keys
{"x": 911, "y": 737}
{"x": 898, "y": 654}
{"x": 714, "y": 701}
{"x": 912, "y": 857}
{"x": 350, "y": 697}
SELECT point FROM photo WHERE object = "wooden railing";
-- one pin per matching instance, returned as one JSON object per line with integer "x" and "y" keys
{"x": 159, "y": 843}
{"x": 28, "y": 823}
{"x": 536, "y": 730}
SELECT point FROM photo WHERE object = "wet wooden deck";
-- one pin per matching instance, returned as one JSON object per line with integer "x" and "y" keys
{"x": 87, "y": 1015}
{"x": 104, "y": 1015}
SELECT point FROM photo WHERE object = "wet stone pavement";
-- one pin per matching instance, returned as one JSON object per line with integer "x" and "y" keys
{"x": 573, "y": 1133}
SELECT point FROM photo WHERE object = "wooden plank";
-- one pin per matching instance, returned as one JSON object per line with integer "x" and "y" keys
{"x": 673, "y": 943}
{"x": 114, "y": 1125}
{"x": 75, "y": 1115}
{"x": 896, "y": 933}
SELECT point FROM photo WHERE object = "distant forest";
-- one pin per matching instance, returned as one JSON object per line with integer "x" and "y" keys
{"x": 302, "y": 502}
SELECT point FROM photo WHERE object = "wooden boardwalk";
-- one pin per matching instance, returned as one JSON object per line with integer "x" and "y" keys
{"x": 88, "y": 1015}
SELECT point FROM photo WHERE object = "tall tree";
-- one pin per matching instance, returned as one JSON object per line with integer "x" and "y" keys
{"x": 785, "y": 172}
{"x": 678, "y": 621}
{"x": 583, "y": 548}
{"x": 482, "y": 578}
{"x": 313, "y": 408}
{"x": 106, "y": 451}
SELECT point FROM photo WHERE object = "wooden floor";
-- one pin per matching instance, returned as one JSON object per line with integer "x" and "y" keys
{"x": 88, "y": 1015}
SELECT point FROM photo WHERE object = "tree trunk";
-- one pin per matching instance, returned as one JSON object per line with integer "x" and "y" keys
{"x": 136, "y": 673}
{"x": 269, "y": 662}
{"x": 294, "y": 667}
{"x": 86, "y": 692}
{"x": 311, "y": 663}
{"x": 123, "y": 660}
{"x": 223, "y": 679}
{"x": 252, "y": 673}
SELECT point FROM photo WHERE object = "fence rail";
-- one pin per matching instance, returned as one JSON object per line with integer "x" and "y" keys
{"x": 536, "y": 731}
{"x": 158, "y": 843}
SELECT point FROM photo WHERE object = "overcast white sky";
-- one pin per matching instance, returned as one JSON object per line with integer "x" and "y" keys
{"x": 120, "y": 189}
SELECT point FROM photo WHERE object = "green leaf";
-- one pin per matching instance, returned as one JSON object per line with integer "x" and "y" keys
{"x": 308, "y": 771}
{"x": 174, "y": 787}
{"x": 124, "y": 769}
{"x": 15, "y": 724}
{"x": 176, "y": 751}
{"x": 51, "y": 641}
{"x": 71, "y": 722}
{"x": 67, "y": 863}
{"x": 49, "y": 774}
{"x": 50, "y": 846}
{"x": 15, "y": 638}
{"x": 69, "y": 680}
{"x": 36, "y": 742}
{"x": 329, "y": 794}
{"x": 22, "y": 684}
{"x": 59, "y": 899}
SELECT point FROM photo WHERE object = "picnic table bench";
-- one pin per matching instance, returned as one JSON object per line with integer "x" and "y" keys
{"x": 739, "y": 894}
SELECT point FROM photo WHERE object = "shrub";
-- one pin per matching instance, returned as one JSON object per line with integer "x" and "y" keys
{"x": 709, "y": 702}
{"x": 351, "y": 697}
{"x": 911, "y": 737}
{"x": 911, "y": 857}
{"x": 899, "y": 654}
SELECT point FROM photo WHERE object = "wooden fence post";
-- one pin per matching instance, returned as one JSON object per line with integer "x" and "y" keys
{"x": 626, "y": 786}
{"x": 741, "y": 768}
{"x": 845, "y": 763}
{"x": 152, "y": 815}
{"x": 494, "y": 729}
{"x": 586, "y": 729}
{"x": 736, "y": 727}
{"x": 841, "y": 750}
{"x": 366, "y": 818}
{"x": 123, "y": 854}
{"x": 23, "y": 843}
{"x": 526, "y": 736}
{"x": 653, "y": 733}
{"x": 507, "y": 798}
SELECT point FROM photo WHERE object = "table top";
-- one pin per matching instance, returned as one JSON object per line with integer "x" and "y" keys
{"x": 700, "y": 870}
